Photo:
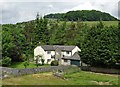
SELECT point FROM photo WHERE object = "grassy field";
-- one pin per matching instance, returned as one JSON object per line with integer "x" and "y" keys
{"x": 78, "y": 78}
{"x": 21, "y": 65}
{"x": 106, "y": 23}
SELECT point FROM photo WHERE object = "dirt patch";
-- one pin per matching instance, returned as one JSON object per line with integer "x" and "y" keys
{"x": 42, "y": 75}
{"x": 101, "y": 83}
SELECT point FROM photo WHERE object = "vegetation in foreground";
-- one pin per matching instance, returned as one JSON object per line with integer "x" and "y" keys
{"x": 79, "y": 78}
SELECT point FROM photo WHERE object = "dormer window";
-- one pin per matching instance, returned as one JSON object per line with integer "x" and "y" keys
{"x": 48, "y": 52}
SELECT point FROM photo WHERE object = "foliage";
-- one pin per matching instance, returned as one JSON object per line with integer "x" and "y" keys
{"x": 54, "y": 63}
{"x": 38, "y": 59}
{"x": 20, "y": 65}
{"x": 6, "y": 61}
{"x": 23, "y": 57}
{"x": 0, "y": 62}
{"x": 42, "y": 60}
{"x": 83, "y": 15}
{"x": 100, "y": 47}
{"x": 99, "y": 43}
{"x": 26, "y": 63}
{"x": 12, "y": 42}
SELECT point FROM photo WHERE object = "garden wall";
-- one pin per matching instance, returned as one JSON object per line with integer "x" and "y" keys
{"x": 7, "y": 72}
{"x": 100, "y": 70}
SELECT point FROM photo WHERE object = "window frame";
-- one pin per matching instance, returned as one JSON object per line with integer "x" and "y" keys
{"x": 48, "y": 52}
{"x": 67, "y": 52}
{"x": 65, "y": 60}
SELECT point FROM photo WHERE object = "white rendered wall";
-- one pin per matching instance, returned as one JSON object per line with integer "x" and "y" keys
{"x": 65, "y": 53}
{"x": 76, "y": 49}
{"x": 40, "y": 51}
{"x": 48, "y": 56}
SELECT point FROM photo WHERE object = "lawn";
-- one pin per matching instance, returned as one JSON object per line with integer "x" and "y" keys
{"x": 21, "y": 65}
{"x": 78, "y": 78}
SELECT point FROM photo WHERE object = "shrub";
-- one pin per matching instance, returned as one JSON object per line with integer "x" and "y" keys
{"x": 6, "y": 61}
{"x": 26, "y": 63}
{"x": 42, "y": 60}
{"x": 23, "y": 57}
{"x": 54, "y": 63}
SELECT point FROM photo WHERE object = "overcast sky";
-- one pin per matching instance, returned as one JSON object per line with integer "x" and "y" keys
{"x": 14, "y": 11}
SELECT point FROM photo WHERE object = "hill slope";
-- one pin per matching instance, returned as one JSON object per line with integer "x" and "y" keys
{"x": 83, "y": 15}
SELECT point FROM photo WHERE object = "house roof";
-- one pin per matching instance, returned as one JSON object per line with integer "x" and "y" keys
{"x": 48, "y": 47}
{"x": 74, "y": 57}
{"x": 54, "y": 47}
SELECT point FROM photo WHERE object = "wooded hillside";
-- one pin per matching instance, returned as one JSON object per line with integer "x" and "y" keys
{"x": 83, "y": 15}
{"x": 100, "y": 44}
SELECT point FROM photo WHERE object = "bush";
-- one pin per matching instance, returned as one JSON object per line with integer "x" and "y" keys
{"x": 54, "y": 63}
{"x": 26, "y": 63}
{"x": 6, "y": 61}
{"x": 42, "y": 60}
{"x": 23, "y": 57}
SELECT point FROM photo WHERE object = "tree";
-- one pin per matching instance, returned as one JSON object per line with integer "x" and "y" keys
{"x": 101, "y": 47}
{"x": 6, "y": 61}
{"x": 45, "y": 31}
{"x": 12, "y": 42}
{"x": 84, "y": 15}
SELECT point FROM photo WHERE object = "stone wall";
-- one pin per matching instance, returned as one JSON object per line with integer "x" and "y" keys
{"x": 100, "y": 70}
{"x": 7, "y": 72}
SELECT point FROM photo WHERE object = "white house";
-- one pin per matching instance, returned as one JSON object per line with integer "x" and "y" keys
{"x": 66, "y": 55}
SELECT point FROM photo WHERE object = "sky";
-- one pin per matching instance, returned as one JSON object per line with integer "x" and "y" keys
{"x": 14, "y": 11}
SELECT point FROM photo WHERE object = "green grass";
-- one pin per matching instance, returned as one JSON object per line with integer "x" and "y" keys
{"x": 92, "y": 78}
{"x": 79, "y": 78}
{"x": 106, "y": 23}
{"x": 21, "y": 65}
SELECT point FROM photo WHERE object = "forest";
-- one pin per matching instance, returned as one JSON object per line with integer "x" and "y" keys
{"x": 100, "y": 44}
{"x": 83, "y": 15}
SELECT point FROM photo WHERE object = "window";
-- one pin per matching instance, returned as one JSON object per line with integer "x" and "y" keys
{"x": 48, "y": 52}
{"x": 65, "y": 60}
{"x": 52, "y": 56}
{"x": 67, "y": 52}
{"x": 48, "y": 60}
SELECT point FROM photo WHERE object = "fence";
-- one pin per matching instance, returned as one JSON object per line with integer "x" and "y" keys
{"x": 100, "y": 70}
{"x": 7, "y": 72}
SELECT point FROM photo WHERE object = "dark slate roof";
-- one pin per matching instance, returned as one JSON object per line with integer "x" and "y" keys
{"x": 74, "y": 57}
{"x": 48, "y": 47}
{"x": 54, "y": 47}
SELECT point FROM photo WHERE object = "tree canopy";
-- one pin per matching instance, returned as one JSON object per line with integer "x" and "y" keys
{"x": 100, "y": 44}
{"x": 83, "y": 15}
